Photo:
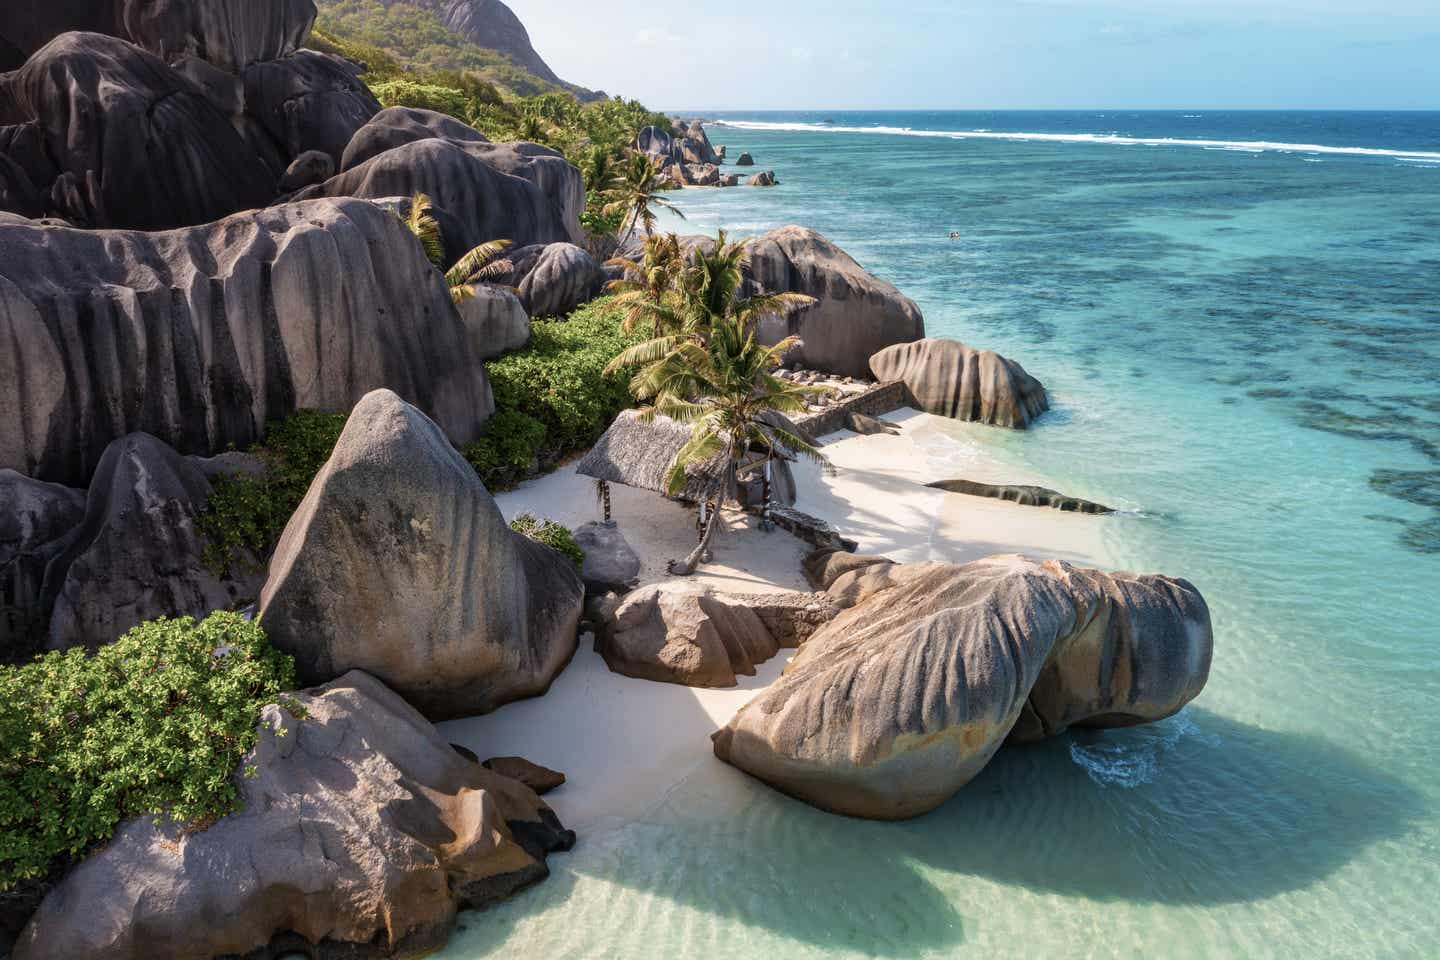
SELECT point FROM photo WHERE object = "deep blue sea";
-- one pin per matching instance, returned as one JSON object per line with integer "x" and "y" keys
{"x": 1238, "y": 318}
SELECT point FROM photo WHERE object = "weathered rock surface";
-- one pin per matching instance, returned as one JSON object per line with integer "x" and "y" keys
{"x": 655, "y": 142}
{"x": 486, "y": 202}
{"x": 312, "y": 166}
{"x": 399, "y": 563}
{"x": 1026, "y": 496}
{"x": 702, "y": 174}
{"x": 610, "y": 564}
{"x": 823, "y": 567}
{"x": 396, "y": 126}
{"x": 897, "y": 703}
{"x": 34, "y": 516}
{"x": 950, "y": 379}
{"x": 554, "y": 279}
{"x": 360, "y": 835}
{"x": 856, "y": 314}
{"x": 866, "y": 425}
{"x": 137, "y": 555}
{"x": 230, "y": 34}
{"x": 308, "y": 101}
{"x": 495, "y": 321}
{"x": 540, "y": 779}
{"x": 135, "y": 144}
{"x": 766, "y": 179}
{"x": 490, "y": 23}
{"x": 696, "y": 147}
{"x": 199, "y": 336}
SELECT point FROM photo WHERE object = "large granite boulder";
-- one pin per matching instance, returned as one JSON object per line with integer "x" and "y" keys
{"x": 655, "y": 142}
{"x": 745, "y": 160}
{"x": 230, "y": 34}
{"x": 308, "y": 101}
{"x": 199, "y": 336}
{"x": 765, "y": 178}
{"x": 360, "y": 834}
{"x": 548, "y": 169}
{"x": 610, "y": 564}
{"x": 137, "y": 555}
{"x": 18, "y": 194}
{"x": 856, "y": 314}
{"x": 949, "y": 379}
{"x": 399, "y": 563}
{"x": 484, "y": 202}
{"x": 554, "y": 279}
{"x": 695, "y": 147}
{"x": 312, "y": 166}
{"x": 495, "y": 320}
{"x": 899, "y": 701}
{"x": 34, "y": 517}
{"x": 396, "y": 126}
{"x": 1023, "y": 494}
{"x": 135, "y": 144}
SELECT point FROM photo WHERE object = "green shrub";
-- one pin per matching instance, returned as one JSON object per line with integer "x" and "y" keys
{"x": 551, "y": 534}
{"x": 246, "y": 514}
{"x": 152, "y": 723}
{"x": 553, "y": 398}
{"x": 424, "y": 96}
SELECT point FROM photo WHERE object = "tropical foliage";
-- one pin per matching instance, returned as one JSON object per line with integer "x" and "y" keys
{"x": 154, "y": 723}
{"x": 704, "y": 364}
{"x": 482, "y": 264}
{"x": 553, "y": 535}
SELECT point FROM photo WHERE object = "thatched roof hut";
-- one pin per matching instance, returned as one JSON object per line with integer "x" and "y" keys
{"x": 638, "y": 454}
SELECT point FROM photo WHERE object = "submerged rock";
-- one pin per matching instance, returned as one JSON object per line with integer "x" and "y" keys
{"x": 399, "y": 563}
{"x": 897, "y": 703}
{"x": 360, "y": 834}
{"x": 745, "y": 160}
{"x": 1026, "y": 496}
{"x": 949, "y": 379}
{"x": 200, "y": 336}
{"x": 766, "y": 179}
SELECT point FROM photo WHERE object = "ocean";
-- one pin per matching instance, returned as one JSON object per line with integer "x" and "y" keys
{"x": 1238, "y": 319}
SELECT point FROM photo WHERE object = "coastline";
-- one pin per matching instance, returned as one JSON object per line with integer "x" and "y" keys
{"x": 625, "y": 744}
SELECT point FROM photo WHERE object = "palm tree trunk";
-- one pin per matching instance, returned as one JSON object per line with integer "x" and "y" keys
{"x": 701, "y": 553}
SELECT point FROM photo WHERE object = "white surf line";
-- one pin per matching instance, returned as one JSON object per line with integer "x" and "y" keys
{"x": 1093, "y": 138}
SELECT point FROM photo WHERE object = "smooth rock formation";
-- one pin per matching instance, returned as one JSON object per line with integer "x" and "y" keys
{"x": 655, "y": 142}
{"x": 495, "y": 321}
{"x": 856, "y": 315}
{"x": 485, "y": 202}
{"x": 899, "y": 701}
{"x": 1026, "y": 496}
{"x": 949, "y": 379}
{"x": 34, "y": 517}
{"x": 702, "y": 174}
{"x": 745, "y": 160}
{"x": 554, "y": 279}
{"x": 135, "y": 144}
{"x": 396, "y": 126}
{"x": 610, "y": 564}
{"x": 696, "y": 148}
{"x": 866, "y": 425}
{"x": 675, "y": 632}
{"x": 359, "y": 835}
{"x": 766, "y": 179}
{"x": 823, "y": 567}
{"x": 399, "y": 563}
{"x": 540, "y": 779}
{"x": 199, "y": 336}
{"x": 312, "y": 166}
{"x": 308, "y": 101}
{"x": 137, "y": 554}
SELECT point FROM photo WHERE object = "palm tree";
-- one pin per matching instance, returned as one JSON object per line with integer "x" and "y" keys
{"x": 637, "y": 195}
{"x": 598, "y": 168}
{"x": 479, "y": 265}
{"x": 648, "y": 289}
{"x": 724, "y": 387}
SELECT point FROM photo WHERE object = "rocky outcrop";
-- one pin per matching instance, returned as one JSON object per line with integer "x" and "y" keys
{"x": 655, "y": 142}
{"x": 310, "y": 167}
{"x": 745, "y": 160}
{"x": 199, "y": 336}
{"x": 399, "y": 563}
{"x": 610, "y": 564}
{"x": 495, "y": 320}
{"x": 397, "y": 126}
{"x": 484, "y": 202}
{"x": 701, "y": 174}
{"x": 490, "y": 23}
{"x": 695, "y": 147}
{"x": 231, "y": 34}
{"x": 554, "y": 279}
{"x": 824, "y": 566}
{"x": 868, "y": 426}
{"x": 137, "y": 555}
{"x": 34, "y": 517}
{"x": 765, "y": 179}
{"x": 899, "y": 701}
{"x": 540, "y": 779}
{"x": 359, "y": 834}
{"x": 949, "y": 379}
{"x": 308, "y": 101}
{"x": 134, "y": 144}
{"x": 1026, "y": 496}
{"x": 856, "y": 314}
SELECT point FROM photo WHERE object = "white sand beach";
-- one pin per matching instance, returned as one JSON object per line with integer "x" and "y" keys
{"x": 625, "y": 744}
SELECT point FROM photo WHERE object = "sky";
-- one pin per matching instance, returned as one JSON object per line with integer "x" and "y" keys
{"x": 997, "y": 54}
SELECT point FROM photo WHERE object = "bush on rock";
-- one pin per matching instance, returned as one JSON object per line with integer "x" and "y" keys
{"x": 553, "y": 535}
{"x": 152, "y": 723}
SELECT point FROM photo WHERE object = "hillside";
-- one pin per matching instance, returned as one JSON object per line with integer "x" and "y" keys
{"x": 483, "y": 37}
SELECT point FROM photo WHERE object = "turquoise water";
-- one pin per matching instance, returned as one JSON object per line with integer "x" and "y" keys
{"x": 1243, "y": 347}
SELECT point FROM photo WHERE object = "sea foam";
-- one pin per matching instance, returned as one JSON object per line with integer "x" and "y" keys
{"x": 1248, "y": 146}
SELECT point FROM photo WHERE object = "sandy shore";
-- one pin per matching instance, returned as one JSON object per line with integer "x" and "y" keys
{"x": 624, "y": 744}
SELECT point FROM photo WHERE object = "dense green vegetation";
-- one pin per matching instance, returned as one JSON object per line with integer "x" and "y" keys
{"x": 553, "y": 398}
{"x": 152, "y": 723}
{"x": 247, "y": 513}
{"x": 555, "y": 536}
